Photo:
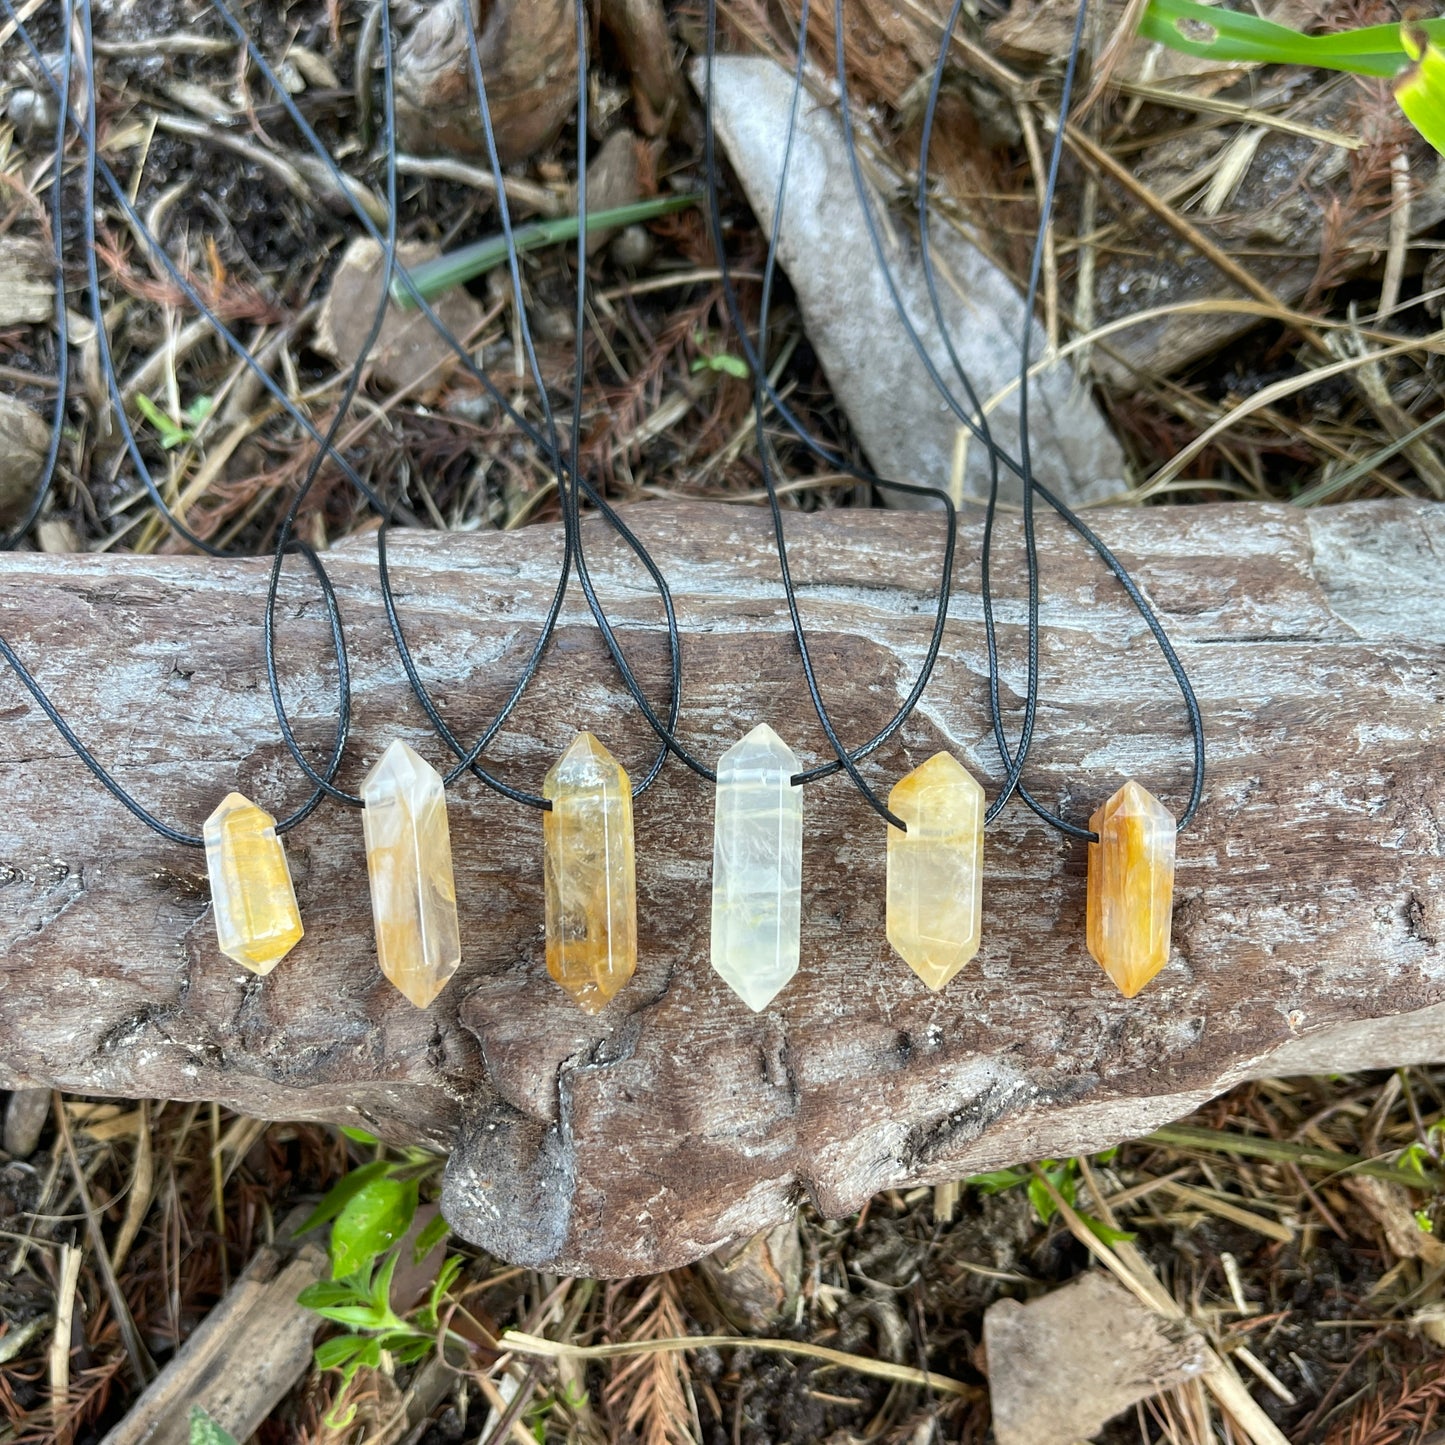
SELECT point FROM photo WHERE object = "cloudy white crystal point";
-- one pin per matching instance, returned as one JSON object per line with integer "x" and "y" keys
{"x": 409, "y": 860}
{"x": 757, "y": 868}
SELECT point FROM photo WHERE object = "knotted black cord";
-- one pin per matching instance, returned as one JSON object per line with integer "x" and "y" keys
{"x": 567, "y": 486}
{"x": 62, "y": 320}
{"x": 174, "y": 835}
{"x": 979, "y": 428}
{"x": 64, "y": 117}
{"x": 846, "y": 760}
{"x": 1023, "y": 466}
{"x": 1032, "y": 485}
{"x": 584, "y": 575}
{"x": 325, "y": 449}
{"x": 549, "y": 445}
{"x": 158, "y": 253}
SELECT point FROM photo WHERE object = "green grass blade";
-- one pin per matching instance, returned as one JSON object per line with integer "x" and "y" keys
{"x": 1212, "y": 32}
{"x": 1284, "y": 1151}
{"x": 458, "y": 267}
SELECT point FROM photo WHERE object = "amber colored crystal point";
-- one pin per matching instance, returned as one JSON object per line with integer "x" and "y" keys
{"x": 935, "y": 869}
{"x": 589, "y": 874}
{"x": 257, "y": 920}
{"x": 1131, "y": 887}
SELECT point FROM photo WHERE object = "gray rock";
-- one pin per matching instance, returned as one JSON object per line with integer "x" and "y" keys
{"x": 1063, "y": 1365}
{"x": 904, "y": 425}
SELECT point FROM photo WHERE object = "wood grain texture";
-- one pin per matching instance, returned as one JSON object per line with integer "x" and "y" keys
{"x": 1309, "y": 908}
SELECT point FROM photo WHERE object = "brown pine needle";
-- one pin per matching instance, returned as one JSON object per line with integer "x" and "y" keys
{"x": 524, "y": 1344}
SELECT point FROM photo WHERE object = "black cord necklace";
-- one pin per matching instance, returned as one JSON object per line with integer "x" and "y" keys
{"x": 1132, "y": 857}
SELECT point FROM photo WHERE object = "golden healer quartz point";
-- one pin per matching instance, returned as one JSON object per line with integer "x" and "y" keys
{"x": 257, "y": 920}
{"x": 935, "y": 869}
{"x": 409, "y": 861}
{"x": 589, "y": 874}
{"x": 1131, "y": 887}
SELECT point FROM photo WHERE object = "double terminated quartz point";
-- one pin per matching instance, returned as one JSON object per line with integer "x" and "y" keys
{"x": 935, "y": 869}
{"x": 757, "y": 868}
{"x": 589, "y": 873}
{"x": 257, "y": 920}
{"x": 1130, "y": 899}
{"x": 409, "y": 860}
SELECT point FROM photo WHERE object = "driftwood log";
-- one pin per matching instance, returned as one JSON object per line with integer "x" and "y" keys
{"x": 1309, "y": 908}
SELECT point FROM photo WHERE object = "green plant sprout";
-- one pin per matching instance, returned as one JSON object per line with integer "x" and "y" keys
{"x": 370, "y": 1211}
{"x": 723, "y": 361}
{"x": 1409, "y": 55}
{"x": 1063, "y": 1174}
{"x": 175, "y": 433}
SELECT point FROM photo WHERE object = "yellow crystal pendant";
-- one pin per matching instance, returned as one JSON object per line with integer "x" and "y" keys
{"x": 257, "y": 920}
{"x": 589, "y": 873}
{"x": 935, "y": 869}
{"x": 409, "y": 860}
{"x": 1130, "y": 898}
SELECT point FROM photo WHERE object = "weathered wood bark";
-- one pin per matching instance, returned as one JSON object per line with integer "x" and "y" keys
{"x": 1309, "y": 902}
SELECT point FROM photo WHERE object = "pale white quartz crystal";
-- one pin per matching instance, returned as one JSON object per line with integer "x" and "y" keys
{"x": 757, "y": 867}
{"x": 409, "y": 860}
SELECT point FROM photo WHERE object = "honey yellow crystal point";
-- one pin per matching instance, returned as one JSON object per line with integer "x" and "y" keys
{"x": 257, "y": 920}
{"x": 409, "y": 861}
{"x": 589, "y": 873}
{"x": 935, "y": 869}
{"x": 1130, "y": 900}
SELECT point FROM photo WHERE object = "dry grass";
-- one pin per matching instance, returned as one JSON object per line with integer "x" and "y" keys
{"x": 1311, "y": 1278}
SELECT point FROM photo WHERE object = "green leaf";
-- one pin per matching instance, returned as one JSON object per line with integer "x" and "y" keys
{"x": 995, "y": 1181}
{"x": 170, "y": 433}
{"x": 360, "y": 1136}
{"x": 356, "y": 1317}
{"x": 328, "y": 1293}
{"x": 407, "y": 1349}
{"x": 458, "y": 267}
{"x": 1106, "y": 1232}
{"x": 429, "y": 1315}
{"x": 341, "y": 1193}
{"x": 205, "y": 1431}
{"x": 346, "y": 1350}
{"x": 1420, "y": 90}
{"x": 1042, "y": 1200}
{"x": 723, "y": 361}
{"x": 429, "y": 1238}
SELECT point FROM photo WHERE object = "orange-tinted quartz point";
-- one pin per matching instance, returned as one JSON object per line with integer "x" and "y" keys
{"x": 1131, "y": 887}
{"x": 589, "y": 874}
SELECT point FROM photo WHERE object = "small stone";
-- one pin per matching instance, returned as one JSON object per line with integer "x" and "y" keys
{"x": 257, "y": 920}
{"x": 26, "y": 1111}
{"x": 589, "y": 874}
{"x": 1130, "y": 899}
{"x": 409, "y": 860}
{"x": 24, "y": 441}
{"x": 757, "y": 867}
{"x": 1062, "y": 1365}
{"x": 935, "y": 869}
